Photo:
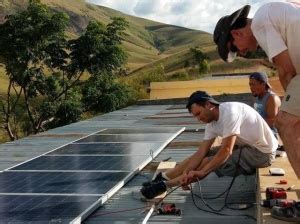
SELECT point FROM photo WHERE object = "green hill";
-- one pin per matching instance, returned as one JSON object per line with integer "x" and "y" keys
{"x": 145, "y": 39}
{"x": 148, "y": 43}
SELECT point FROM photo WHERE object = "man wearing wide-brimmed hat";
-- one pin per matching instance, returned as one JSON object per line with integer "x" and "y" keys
{"x": 275, "y": 27}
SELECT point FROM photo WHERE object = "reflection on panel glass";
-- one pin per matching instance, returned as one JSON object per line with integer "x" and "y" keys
{"x": 124, "y": 163}
{"x": 133, "y": 148}
{"x": 42, "y": 209}
{"x": 59, "y": 182}
{"x": 137, "y": 130}
{"x": 127, "y": 138}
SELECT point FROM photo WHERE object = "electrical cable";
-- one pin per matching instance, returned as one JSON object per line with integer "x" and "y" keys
{"x": 133, "y": 209}
{"x": 212, "y": 210}
{"x": 226, "y": 204}
{"x": 217, "y": 213}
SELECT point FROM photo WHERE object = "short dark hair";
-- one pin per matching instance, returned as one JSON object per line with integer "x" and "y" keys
{"x": 200, "y": 98}
{"x": 200, "y": 103}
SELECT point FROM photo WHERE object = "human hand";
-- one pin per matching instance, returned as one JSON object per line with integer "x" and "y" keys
{"x": 184, "y": 179}
{"x": 195, "y": 175}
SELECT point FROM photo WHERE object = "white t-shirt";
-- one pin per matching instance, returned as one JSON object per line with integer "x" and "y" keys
{"x": 243, "y": 121}
{"x": 276, "y": 27}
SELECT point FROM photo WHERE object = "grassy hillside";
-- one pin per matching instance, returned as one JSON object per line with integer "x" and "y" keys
{"x": 148, "y": 43}
{"x": 143, "y": 35}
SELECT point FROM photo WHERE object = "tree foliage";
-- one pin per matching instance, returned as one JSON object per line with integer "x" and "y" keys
{"x": 103, "y": 93}
{"x": 201, "y": 60}
{"x": 45, "y": 69}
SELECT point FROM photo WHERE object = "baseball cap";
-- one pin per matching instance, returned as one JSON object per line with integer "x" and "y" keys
{"x": 200, "y": 96}
{"x": 222, "y": 32}
{"x": 262, "y": 77}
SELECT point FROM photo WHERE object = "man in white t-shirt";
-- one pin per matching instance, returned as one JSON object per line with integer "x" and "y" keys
{"x": 247, "y": 143}
{"x": 275, "y": 27}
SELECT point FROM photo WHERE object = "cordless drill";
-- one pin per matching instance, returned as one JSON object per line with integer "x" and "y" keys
{"x": 168, "y": 209}
{"x": 275, "y": 193}
{"x": 278, "y": 202}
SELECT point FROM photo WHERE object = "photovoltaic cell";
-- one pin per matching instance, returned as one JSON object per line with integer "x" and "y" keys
{"x": 130, "y": 148}
{"x": 137, "y": 131}
{"x": 60, "y": 187}
{"x": 42, "y": 209}
{"x": 59, "y": 182}
{"x": 126, "y": 138}
{"x": 124, "y": 163}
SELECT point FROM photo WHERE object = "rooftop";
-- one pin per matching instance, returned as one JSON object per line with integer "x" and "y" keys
{"x": 122, "y": 207}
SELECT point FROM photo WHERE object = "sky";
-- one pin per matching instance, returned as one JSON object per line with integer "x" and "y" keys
{"x": 194, "y": 14}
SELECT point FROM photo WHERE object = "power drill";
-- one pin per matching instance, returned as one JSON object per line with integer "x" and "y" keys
{"x": 275, "y": 193}
{"x": 278, "y": 202}
{"x": 168, "y": 209}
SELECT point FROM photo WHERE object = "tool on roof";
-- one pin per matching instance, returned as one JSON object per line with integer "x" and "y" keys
{"x": 168, "y": 209}
{"x": 283, "y": 181}
{"x": 278, "y": 202}
{"x": 275, "y": 193}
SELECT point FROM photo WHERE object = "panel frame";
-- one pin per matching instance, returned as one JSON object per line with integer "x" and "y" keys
{"x": 102, "y": 199}
{"x": 117, "y": 187}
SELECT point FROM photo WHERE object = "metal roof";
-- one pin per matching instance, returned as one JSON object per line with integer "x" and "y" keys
{"x": 122, "y": 207}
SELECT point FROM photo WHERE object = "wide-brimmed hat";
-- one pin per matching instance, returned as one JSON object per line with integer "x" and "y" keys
{"x": 222, "y": 32}
{"x": 199, "y": 97}
{"x": 262, "y": 77}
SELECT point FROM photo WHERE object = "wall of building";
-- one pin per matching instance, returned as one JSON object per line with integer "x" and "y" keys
{"x": 214, "y": 86}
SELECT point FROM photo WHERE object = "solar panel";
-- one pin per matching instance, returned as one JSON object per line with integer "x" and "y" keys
{"x": 42, "y": 209}
{"x": 137, "y": 130}
{"x": 128, "y": 148}
{"x": 126, "y": 138}
{"x": 70, "y": 182}
{"x": 124, "y": 163}
{"x": 83, "y": 183}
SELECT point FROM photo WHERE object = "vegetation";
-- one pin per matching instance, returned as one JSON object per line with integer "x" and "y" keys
{"x": 53, "y": 64}
{"x": 45, "y": 69}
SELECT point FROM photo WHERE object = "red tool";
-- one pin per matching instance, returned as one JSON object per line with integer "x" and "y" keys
{"x": 278, "y": 202}
{"x": 283, "y": 181}
{"x": 275, "y": 193}
{"x": 168, "y": 209}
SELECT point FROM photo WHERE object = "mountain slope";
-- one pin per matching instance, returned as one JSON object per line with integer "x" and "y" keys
{"x": 146, "y": 42}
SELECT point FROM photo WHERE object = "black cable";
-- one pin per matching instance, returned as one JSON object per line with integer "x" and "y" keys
{"x": 226, "y": 204}
{"x": 217, "y": 213}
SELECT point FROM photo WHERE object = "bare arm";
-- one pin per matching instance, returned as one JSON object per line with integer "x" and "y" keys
{"x": 285, "y": 67}
{"x": 223, "y": 154}
{"x": 272, "y": 108}
{"x": 198, "y": 156}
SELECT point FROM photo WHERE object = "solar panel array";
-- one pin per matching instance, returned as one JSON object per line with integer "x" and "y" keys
{"x": 69, "y": 183}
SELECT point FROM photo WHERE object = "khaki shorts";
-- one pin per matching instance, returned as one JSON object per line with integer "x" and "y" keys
{"x": 291, "y": 100}
{"x": 250, "y": 159}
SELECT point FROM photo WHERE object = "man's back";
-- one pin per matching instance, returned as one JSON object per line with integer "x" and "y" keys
{"x": 276, "y": 26}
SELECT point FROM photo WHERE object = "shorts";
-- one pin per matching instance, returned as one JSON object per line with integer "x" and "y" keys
{"x": 291, "y": 100}
{"x": 250, "y": 159}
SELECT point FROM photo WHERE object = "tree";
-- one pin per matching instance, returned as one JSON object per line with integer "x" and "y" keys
{"x": 201, "y": 60}
{"x": 204, "y": 67}
{"x": 29, "y": 40}
{"x": 98, "y": 49}
{"x": 45, "y": 69}
{"x": 103, "y": 93}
